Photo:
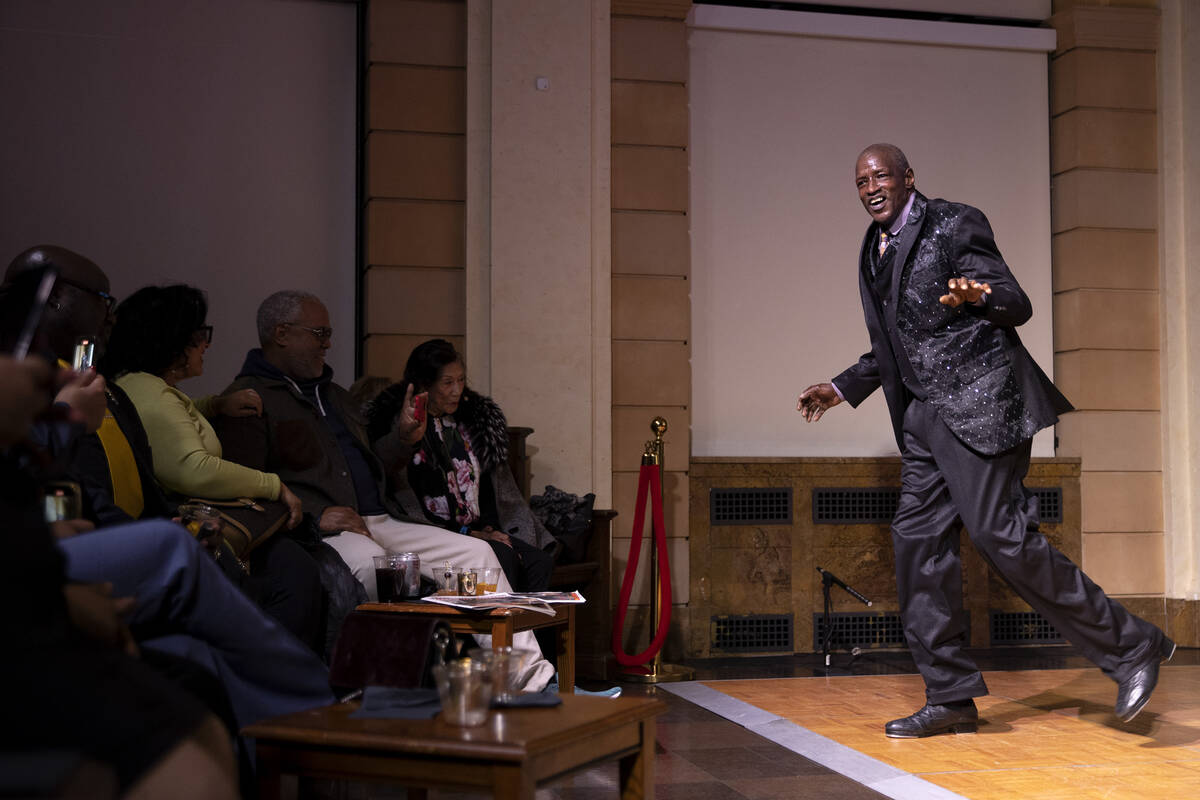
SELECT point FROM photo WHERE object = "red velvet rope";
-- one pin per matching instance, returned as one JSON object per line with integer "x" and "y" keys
{"x": 648, "y": 480}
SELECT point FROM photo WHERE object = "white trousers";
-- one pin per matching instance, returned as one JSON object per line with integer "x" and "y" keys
{"x": 435, "y": 546}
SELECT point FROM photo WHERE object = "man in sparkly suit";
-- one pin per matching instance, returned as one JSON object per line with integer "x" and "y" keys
{"x": 965, "y": 400}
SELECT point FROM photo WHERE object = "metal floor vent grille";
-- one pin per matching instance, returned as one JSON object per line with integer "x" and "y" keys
{"x": 1050, "y": 505}
{"x": 860, "y": 629}
{"x": 1022, "y": 627}
{"x": 878, "y": 505}
{"x": 750, "y": 506}
{"x": 752, "y": 633}
{"x": 854, "y": 506}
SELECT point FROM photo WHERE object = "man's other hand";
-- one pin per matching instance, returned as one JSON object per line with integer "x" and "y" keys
{"x": 964, "y": 290}
{"x": 98, "y": 615}
{"x": 242, "y": 403}
{"x": 343, "y": 518}
{"x": 816, "y": 400}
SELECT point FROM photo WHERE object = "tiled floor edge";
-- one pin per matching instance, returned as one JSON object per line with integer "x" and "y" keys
{"x": 871, "y": 772}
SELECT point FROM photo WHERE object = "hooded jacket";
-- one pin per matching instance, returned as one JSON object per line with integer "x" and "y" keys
{"x": 293, "y": 440}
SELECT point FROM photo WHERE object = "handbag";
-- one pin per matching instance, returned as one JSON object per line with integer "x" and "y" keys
{"x": 246, "y": 524}
{"x": 386, "y": 649}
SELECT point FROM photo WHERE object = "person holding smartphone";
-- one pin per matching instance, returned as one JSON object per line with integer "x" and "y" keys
{"x": 458, "y": 464}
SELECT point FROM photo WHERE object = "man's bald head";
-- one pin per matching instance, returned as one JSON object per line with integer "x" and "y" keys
{"x": 890, "y": 153}
{"x": 70, "y": 266}
{"x": 79, "y": 305}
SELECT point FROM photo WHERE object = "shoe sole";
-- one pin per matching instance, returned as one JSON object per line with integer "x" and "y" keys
{"x": 1165, "y": 658}
{"x": 962, "y": 727}
{"x": 1134, "y": 713}
{"x": 1129, "y": 717}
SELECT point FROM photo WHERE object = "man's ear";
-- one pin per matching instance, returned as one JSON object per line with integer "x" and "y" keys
{"x": 910, "y": 180}
{"x": 279, "y": 335}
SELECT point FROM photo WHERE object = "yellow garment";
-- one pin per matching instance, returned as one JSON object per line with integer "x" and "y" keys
{"x": 187, "y": 452}
{"x": 122, "y": 468}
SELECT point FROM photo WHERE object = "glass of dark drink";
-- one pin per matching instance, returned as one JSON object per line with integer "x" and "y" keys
{"x": 390, "y": 578}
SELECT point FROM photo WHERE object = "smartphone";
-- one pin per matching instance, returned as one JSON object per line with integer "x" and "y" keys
{"x": 85, "y": 354}
{"x": 27, "y": 294}
{"x": 419, "y": 408}
{"x": 61, "y": 500}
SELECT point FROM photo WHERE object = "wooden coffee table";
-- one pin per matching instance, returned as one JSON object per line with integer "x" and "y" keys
{"x": 512, "y": 754}
{"x": 501, "y": 624}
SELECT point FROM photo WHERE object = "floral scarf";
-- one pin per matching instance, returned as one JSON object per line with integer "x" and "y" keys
{"x": 445, "y": 474}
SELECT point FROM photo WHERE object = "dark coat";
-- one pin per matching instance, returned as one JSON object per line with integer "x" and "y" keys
{"x": 291, "y": 440}
{"x": 969, "y": 360}
{"x": 487, "y": 430}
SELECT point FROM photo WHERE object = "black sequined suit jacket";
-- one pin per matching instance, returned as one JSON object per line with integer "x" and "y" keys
{"x": 969, "y": 361}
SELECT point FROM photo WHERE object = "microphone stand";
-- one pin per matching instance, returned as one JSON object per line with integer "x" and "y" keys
{"x": 828, "y": 579}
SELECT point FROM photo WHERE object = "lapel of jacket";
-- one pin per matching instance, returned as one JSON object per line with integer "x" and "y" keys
{"x": 915, "y": 223}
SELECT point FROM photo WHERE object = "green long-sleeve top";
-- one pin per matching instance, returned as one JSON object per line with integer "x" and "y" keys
{"x": 187, "y": 452}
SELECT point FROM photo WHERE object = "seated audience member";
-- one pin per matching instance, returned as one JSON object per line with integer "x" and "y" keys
{"x": 312, "y": 435}
{"x": 113, "y": 467}
{"x": 458, "y": 467}
{"x": 158, "y": 340}
{"x": 78, "y": 685}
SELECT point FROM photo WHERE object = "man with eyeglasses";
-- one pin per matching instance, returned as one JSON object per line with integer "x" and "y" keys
{"x": 114, "y": 468}
{"x": 312, "y": 435}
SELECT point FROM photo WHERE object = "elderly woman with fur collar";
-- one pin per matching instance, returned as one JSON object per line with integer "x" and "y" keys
{"x": 457, "y": 469}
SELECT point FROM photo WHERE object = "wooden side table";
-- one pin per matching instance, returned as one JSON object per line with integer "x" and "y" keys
{"x": 512, "y": 754}
{"x": 501, "y": 624}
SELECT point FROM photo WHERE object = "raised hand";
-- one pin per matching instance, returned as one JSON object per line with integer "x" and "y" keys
{"x": 964, "y": 290}
{"x": 410, "y": 430}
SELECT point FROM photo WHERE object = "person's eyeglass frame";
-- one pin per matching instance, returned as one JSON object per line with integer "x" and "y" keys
{"x": 322, "y": 334}
{"x": 110, "y": 302}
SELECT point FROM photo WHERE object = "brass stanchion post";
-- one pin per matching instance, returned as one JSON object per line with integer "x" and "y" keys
{"x": 657, "y": 671}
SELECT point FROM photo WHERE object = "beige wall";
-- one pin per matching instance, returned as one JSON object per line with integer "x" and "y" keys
{"x": 413, "y": 289}
{"x": 549, "y": 235}
{"x": 1179, "y": 240}
{"x": 1104, "y": 98}
{"x": 651, "y": 268}
{"x": 487, "y": 215}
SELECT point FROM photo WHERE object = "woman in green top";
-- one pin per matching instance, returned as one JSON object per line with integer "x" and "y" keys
{"x": 158, "y": 340}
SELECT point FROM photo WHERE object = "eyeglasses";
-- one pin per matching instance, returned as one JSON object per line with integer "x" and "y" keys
{"x": 203, "y": 334}
{"x": 322, "y": 334}
{"x": 109, "y": 300}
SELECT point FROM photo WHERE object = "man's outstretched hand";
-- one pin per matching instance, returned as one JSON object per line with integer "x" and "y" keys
{"x": 964, "y": 290}
{"x": 816, "y": 400}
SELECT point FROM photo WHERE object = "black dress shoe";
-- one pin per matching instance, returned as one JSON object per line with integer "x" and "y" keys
{"x": 933, "y": 719}
{"x": 1134, "y": 692}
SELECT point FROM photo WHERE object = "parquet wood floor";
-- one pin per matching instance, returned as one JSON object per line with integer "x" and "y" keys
{"x": 1044, "y": 734}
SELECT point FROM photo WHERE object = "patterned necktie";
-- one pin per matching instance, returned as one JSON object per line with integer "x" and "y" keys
{"x": 883, "y": 242}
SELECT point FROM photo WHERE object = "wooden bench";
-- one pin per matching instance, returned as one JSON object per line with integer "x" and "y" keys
{"x": 500, "y": 624}
{"x": 512, "y": 754}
